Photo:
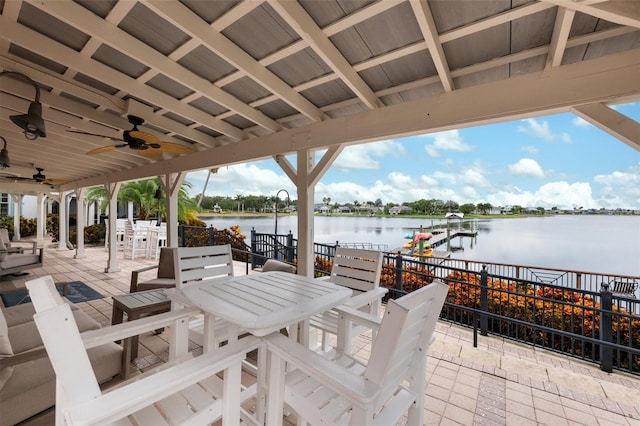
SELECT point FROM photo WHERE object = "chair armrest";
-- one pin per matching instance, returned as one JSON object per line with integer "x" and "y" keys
{"x": 133, "y": 396}
{"x": 354, "y": 388}
{"x": 367, "y": 297}
{"x": 22, "y": 357}
{"x": 355, "y": 316}
{"x": 93, "y": 338}
{"x": 133, "y": 287}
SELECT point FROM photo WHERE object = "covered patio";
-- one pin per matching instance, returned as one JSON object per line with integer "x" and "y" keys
{"x": 220, "y": 83}
{"x": 136, "y": 89}
{"x": 497, "y": 383}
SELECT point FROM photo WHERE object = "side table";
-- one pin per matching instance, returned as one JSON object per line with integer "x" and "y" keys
{"x": 136, "y": 305}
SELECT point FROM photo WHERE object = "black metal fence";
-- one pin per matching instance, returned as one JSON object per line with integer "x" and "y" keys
{"x": 591, "y": 316}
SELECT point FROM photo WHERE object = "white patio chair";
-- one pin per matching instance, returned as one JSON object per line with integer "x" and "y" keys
{"x": 135, "y": 241}
{"x": 359, "y": 270}
{"x": 157, "y": 238}
{"x": 194, "y": 265}
{"x": 181, "y": 391}
{"x": 335, "y": 388}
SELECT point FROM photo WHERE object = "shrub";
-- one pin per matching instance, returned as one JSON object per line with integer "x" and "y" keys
{"x": 561, "y": 309}
{"x": 413, "y": 277}
{"x": 28, "y": 227}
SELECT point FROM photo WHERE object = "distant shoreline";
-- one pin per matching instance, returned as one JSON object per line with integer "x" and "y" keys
{"x": 211, "y": 215}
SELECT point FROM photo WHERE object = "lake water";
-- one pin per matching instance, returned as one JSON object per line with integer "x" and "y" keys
{"x": 604, "y": 244}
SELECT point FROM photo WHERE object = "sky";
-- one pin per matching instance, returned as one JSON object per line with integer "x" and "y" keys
{"x": 549, "y": 161}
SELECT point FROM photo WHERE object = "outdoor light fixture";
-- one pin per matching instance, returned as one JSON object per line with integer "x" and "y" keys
{"x": 4, "y": 156}
{"x": 278, "y": 199}
{"x": 31, "y": 122}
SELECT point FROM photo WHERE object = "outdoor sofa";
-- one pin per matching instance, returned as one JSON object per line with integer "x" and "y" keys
{"x": 27, "y": 379}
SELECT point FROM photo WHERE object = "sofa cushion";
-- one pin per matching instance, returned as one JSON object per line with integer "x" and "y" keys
{"x": 3, "y": 252}
{"x": 17, "y": 259}
{"x": 165, "y": 263}
{"x": 5, "y": 350}
{"x": 25, "y": 336}
{"x": 156, "y": 283}
{"x": 276, "y": 265}
{"x": 5, "y": 342}
{"x": 36, "y": 379}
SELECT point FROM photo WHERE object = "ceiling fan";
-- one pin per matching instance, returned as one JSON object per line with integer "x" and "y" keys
{"x": 145, "y": 144}
{"x": 37, "y": 177}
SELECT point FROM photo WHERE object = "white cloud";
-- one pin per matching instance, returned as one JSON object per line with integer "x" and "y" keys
{"x": 526, "y": 167}
{"x": 449, "y": 140}
{"x": 245, "y": 179}
{"x": 541, "y": 129}
{"x": 364, "y": 156}
{"x": 474, "y": 178}
{"x": 580, "y": 122}
{"x": 560, "y": 194}
{"x": 619, "y": 189}
{"x": 530, "y": 149}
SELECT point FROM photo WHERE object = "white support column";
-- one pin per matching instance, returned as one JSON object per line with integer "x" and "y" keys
{"x": 17, "y": 213}
{"x": 129, "y": 210}
{"x": 41, "y": 221}
{"x": 80, "y": 221}
{"x": 305, "y": 213}
{"x": 63, "y": 220}
{"x": 112, "y": 194}
{"x": 306, "y": 177}
{"x": 171, "y": 185}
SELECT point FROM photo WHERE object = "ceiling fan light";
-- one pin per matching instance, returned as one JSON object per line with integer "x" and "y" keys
{"x": 31, "y": 122}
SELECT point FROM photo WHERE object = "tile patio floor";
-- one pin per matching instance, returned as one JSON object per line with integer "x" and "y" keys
{"x": 497, "y": 383}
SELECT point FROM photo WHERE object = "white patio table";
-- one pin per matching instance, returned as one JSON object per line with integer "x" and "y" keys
{"x": 261, "y": 304}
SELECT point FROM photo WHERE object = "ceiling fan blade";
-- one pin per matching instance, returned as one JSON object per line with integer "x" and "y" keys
{"x": 80, "y": 132}
{"x": 175, "y": 148}
{"x": 149, "y": 153}
{"x": 55, "y": 181}
{"x": 101, "y": 150}
{"x": 147, "y": 137}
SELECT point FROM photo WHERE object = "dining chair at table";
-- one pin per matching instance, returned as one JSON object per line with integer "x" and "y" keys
{"x": 359, "y": 270}
{"x": 335, "y": 388}
{"x": 195, "y": 265}
{"x": 188, "y": 390}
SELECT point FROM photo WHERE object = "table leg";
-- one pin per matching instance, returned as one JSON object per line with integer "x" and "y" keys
{"x": 274, "y": 390}
{"x": 133, "y": 340}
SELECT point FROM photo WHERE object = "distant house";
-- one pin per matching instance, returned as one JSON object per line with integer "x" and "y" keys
{"x": 396, "y": 210}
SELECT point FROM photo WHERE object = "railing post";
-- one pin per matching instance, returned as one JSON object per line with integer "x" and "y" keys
{"x": 211, "y": 235}
{"x": 606, "y": 328}
{"x": 253, "y": 248}
{"x": 484, "y": 304}
{"x": 289, "y": 247}
{"x": 399, "y": 271}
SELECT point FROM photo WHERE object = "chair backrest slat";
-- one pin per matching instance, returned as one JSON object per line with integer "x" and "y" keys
{"x": 194, "y": 264}
{"x": 405, "y": 334}
{"x": 357, "y": 269}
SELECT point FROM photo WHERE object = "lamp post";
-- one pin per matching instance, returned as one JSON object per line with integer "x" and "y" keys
{"x": 31, "y": 122}
{"x": 278, "y": 199}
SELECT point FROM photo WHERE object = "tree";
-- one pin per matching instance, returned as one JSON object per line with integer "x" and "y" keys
{"x": 484, "y": 207}
{"x": 467, "y": 208}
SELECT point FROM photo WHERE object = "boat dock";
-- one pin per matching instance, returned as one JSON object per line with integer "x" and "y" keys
{"x": 443, "y": 235}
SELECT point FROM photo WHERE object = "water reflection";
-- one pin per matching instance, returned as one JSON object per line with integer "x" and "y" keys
{"x": 608, "y": 244}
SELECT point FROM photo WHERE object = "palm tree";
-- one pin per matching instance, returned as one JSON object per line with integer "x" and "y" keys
{"x": 142, "y": 194}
